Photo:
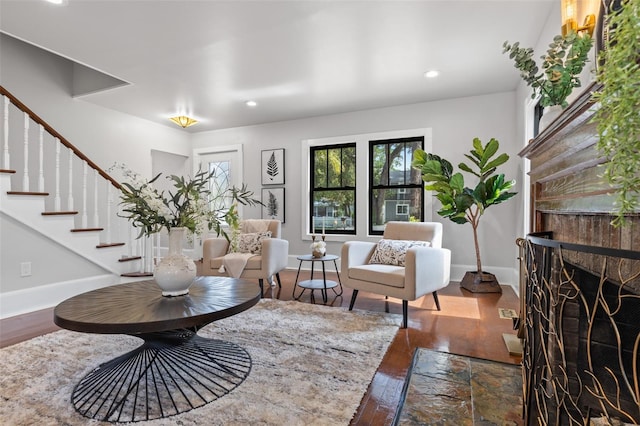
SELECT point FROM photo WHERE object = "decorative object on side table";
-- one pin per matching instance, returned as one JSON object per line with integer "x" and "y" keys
{"x": 187, "y": 209}
{"x": 461, "y": 204}
{"x": 561, "y": 67}
{"x": 318, "y": 248}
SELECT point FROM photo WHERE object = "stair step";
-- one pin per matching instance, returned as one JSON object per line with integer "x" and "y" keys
{"x": 58, "y": 213}
{"x": 137, "y": 274}
{"x": 87, "y": 229}
{"x": 7, "y": 171}
{"x": 44, "y": 194}
{"x": 105, "y": 245}
{"x": 129, "y": 259}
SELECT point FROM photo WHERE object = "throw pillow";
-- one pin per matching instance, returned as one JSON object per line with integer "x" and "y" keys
{"x": 252, "y": 242}
{"x": 393, "y": 252}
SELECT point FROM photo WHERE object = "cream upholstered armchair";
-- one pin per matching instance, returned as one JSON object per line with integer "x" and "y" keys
{"x": 270, "y": 254}
{"x": 407, "y": 263}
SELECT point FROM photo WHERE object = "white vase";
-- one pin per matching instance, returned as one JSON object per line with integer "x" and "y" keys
{"x": 175, "y": 272}
{"x": 549, "y": 114}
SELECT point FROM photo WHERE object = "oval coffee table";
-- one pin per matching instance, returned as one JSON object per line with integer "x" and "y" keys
{"x": 174, "y": 370}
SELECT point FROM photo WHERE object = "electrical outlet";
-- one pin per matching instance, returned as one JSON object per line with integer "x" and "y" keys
{"x": 25, "y": 269}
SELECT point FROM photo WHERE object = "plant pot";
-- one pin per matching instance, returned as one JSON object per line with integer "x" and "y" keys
{"x": 549, "y": 114}
{"x": 175, "y": 272}
{"x": 482, "y": 282}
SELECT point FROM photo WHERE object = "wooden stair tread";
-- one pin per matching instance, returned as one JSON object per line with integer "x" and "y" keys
{"x": 7, "y": 171}
{"x": 87, "y": 229}
{"x": 105, "y": 245}
{"x": 137, "y": 274}
{"x": 129, "y": 258}
{"x": 27, "y": 193}
{"x": 61, "y": 213}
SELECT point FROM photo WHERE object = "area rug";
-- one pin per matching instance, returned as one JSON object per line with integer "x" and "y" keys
{"x": 443, "y": 388}
{"x": 311, "y": 366}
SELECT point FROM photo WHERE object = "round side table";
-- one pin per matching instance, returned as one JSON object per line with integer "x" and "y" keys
{"x": 317, "y": 284}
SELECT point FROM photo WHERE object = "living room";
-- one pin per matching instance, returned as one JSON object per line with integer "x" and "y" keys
{"x": 45, "y": 78}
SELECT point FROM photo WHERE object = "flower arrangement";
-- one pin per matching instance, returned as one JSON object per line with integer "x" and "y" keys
{"x": 187, "y": 206}
{"x": 561, "y": 66}
{"x": 318, "y": 248}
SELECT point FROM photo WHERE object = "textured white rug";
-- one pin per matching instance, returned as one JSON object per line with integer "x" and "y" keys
{"x": 311, "y": 366}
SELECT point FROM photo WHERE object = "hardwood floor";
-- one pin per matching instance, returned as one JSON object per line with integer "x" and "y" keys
{"x": 468, "y": 324}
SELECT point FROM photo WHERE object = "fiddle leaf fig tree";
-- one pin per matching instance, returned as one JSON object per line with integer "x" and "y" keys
{"x": 462, "y": 204}
{"x": 618, "y": 118}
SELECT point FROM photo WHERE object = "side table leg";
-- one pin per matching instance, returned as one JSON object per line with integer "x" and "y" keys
{"x": 295, "y": 284}
{"x": 335, "y": 264}
{"x": 324, "y": 279}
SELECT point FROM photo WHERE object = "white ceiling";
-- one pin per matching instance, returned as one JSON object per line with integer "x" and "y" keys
{"x": 295, "y": 58}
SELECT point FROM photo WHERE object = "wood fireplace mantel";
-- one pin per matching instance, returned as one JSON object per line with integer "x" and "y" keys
{"x": 569, "y": 196}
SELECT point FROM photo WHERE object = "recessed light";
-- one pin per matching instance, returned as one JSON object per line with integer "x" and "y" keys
{"x": 56, "y": 1}
{"x": 431, "y": 74}
{"x": 252, "y": 104}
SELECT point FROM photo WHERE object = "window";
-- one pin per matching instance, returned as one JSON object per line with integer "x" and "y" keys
{"x": 395, "y": 188}
{"x": 402, "y": 209}
{"x": 333, "y": 189}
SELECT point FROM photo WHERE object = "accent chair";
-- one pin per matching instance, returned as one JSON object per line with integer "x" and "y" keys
{"x": 271, "y": 256}
{"x": 407, "y": 263}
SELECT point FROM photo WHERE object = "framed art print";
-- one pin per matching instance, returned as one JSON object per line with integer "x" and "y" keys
{"x": 273, "y": 167}
{"x": 273, "y": 203}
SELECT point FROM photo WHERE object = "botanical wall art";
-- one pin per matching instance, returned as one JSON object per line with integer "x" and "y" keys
{"x": 273, "y": 203}
{"x": 273, "y": 167}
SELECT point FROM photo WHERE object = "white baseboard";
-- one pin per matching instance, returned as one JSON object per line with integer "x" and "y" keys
{"x": 47, "y": 296}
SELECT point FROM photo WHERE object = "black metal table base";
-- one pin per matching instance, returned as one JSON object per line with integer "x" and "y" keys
{"x": 170, "y": 373}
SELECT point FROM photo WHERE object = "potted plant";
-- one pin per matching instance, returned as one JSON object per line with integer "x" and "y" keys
{"x": 617, "y": 118}
{"x": 561, "y": 67}
{"x": 466, "y": 205}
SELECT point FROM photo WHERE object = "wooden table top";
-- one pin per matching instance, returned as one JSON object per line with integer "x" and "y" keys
{"x": 139, "y": 307}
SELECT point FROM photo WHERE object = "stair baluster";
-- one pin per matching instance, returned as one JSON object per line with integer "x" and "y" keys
{"x": 25, "y": 174}
{"x": 56, "y": 200}
{"x": 7, "y": 164}
{"x": 41, "y": 160}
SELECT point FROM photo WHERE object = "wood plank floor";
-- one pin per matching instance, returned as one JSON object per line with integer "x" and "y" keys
{"x": 468, "y": 324}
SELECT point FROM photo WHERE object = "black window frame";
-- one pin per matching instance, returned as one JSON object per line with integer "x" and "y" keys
{"x": 373, "y": 187}
{"x": 314, "y": 188}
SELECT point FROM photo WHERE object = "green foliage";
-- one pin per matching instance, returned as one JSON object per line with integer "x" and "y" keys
{"x": 561, "y": 67}
{"x": 188, "y": 205}
{"x": 462, "y": 204}
{"x": 618, "y": 118}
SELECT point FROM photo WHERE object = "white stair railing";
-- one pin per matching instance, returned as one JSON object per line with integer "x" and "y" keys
{"x": 49, "y": 152}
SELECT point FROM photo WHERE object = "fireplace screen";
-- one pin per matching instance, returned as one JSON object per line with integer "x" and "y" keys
{"x": 580, "y": 322}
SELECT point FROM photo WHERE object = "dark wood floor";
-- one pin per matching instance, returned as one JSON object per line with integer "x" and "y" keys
{"x": 468, "y": 324}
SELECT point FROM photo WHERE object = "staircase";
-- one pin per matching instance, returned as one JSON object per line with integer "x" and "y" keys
{"x": 49, "y": 186}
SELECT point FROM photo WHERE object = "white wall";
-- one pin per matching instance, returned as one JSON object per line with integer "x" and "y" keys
{"x": 454, "y": 124}
{"x": 43, "y": 81}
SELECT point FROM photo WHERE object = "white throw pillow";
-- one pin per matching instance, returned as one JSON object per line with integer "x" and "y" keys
{"x": 393, "y": 252}
{"x": 252, "y": 242}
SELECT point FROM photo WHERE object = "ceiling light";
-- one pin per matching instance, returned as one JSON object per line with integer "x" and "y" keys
{"x": 56, "y": 1}
{"x": 252, "y": 104}
{"x": 183, "y": 121}
{"x": 431, "y": 74}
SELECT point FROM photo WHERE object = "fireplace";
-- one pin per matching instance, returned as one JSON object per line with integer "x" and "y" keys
{"x": 581, "y": 330}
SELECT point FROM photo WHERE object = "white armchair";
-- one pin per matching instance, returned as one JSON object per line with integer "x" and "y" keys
{"x": 264, "y": 266}
{"x": 405, "y": 270}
